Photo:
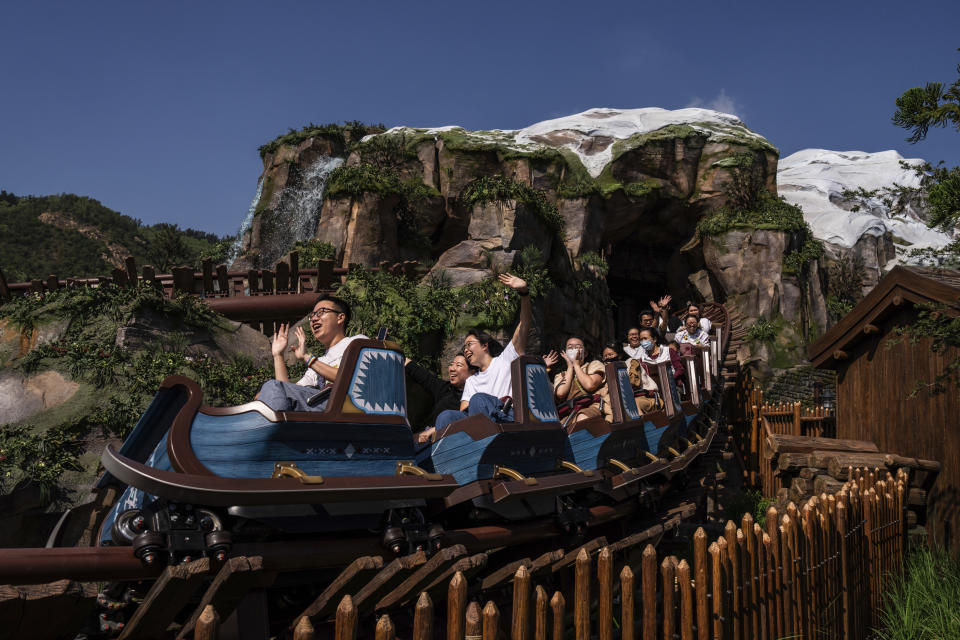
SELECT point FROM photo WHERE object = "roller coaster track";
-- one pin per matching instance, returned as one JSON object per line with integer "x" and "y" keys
{"x": 487, "y": 556}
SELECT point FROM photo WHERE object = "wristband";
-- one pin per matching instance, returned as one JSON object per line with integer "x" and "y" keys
{"x": 310, "y": 360}
{"x": 524, "y": 292}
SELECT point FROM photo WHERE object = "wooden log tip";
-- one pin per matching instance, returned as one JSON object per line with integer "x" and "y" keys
{"x": 303, "y": 626}
{"x": 346, "y": 604}
{"x": 208, "y": 615}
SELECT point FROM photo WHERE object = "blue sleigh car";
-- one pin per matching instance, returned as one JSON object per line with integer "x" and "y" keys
{"x": 193, "y": 480}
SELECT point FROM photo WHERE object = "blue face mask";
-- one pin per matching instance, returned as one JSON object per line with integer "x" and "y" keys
{"x": 647, "y": 345}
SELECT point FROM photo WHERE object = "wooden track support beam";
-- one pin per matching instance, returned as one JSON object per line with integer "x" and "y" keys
{"x": 235, "y": 579}
{"x": 168, "y": 595}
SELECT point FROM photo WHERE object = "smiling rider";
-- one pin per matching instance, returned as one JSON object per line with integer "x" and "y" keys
{"x": 328, "y": 323}
{"x": 484, "y": 391}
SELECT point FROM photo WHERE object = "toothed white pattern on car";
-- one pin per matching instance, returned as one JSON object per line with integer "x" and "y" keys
{"x": 376, "y": 386}
{"x": 540, "y": 395}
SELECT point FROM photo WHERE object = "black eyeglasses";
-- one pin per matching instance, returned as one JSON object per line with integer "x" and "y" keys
{"x": 318, "y": 313}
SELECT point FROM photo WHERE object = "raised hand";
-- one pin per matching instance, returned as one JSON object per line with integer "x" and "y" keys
{"x": 665, "y": 301}
{"x": 654, "y": 306}
{"x": 279, "y": 344}
{"x": 551, "y": 358}
{"x": 513, "y": 281}
{"x": 301, "y": 349}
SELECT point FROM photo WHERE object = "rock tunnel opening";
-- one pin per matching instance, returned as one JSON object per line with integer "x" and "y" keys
{"x": 642, "y": 270}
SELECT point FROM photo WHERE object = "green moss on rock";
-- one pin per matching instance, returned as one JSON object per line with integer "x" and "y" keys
{"x": 341, "y": 134}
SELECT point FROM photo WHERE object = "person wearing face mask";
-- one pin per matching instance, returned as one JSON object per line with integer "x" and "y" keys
{"x": 580, "y": 389}
{"x": 656, "y": 351}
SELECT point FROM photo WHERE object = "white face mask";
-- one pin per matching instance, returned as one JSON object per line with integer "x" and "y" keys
{"x": 573, "y": 354}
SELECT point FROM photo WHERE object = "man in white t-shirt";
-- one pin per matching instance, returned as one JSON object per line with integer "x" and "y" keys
{"x": 485, "y": 389}
{"x": 328, "y": 322}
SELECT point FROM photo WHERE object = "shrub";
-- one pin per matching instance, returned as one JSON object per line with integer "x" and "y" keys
{"x": 763, "y": 331}
{"x": 312, "y": 251}
{"x": 419, "y": 315}
{"x": 594, "y": 259}
{"x": 795, "y": 262}
{"x": 500, "y": 189}
{"x": 766, "y": 211}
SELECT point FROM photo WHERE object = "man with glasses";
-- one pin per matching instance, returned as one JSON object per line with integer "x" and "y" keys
{"x": 485, "y": 390}
{"x": 328, "y": 323}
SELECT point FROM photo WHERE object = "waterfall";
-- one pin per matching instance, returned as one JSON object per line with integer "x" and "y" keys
{"x": 301, "y": 204}
{"x": 297, "y": 215}
{"x": 238, "y": 243}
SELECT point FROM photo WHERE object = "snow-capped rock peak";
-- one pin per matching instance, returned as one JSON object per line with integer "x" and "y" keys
{"x": 591, "y": 134}
{"x": 820, "y": 182}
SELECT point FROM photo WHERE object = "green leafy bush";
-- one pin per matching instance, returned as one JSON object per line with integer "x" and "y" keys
{"x": 312, "y": 251}
{"x": 794, "y": 262}
{"x": 421, "y": 316}
{"x": 500, "y": 189}
{"x": 125, "y": 379}
{"x": 594, "y": 259}
{"x": 356, "y": 180}
{"x": 763, "y": 330}
{"x": 765, "y": 212}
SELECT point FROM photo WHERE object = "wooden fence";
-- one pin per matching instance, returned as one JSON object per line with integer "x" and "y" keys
{"x": 213, "y": 281}
{"x": 755, "y": 419}
{"x": 815, "y": 572}
{"x": 241, "y": 296}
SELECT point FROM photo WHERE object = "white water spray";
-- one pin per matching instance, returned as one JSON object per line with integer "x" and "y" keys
{"x": 301, "y": 204}
{"x": 238, "y": 243}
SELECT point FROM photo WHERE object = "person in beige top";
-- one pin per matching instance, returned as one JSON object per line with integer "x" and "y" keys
{"x": 583, "y": 380}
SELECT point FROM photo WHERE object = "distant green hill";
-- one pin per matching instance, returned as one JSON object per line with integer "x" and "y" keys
{"x": 76, "y": 236}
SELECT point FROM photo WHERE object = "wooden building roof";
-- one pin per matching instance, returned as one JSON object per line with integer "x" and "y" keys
{"x": 916, "y": 285}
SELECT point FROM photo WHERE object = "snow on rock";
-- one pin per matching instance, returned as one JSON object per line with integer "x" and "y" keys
{"x": 591, "y": 134}
{"x": 815, "y": 180}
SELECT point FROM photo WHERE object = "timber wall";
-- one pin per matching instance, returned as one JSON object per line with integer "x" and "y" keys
{"x": 874, "y": 384}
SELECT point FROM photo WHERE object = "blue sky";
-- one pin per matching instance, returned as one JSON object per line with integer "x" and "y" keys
{"x": 157, "y": 109}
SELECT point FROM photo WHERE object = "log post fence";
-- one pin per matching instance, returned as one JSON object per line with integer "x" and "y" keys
{"x": 813, "y": 573}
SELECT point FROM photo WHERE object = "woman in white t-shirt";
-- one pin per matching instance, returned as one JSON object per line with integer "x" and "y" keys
{"x": 485, "y": 390}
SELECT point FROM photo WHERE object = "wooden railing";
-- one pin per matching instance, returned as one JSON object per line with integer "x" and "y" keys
{"x": 238, "y": 295}
{"x": 213, "y": 281}
{"x": 816, "y": 572}
{"x": 754, "y": 419}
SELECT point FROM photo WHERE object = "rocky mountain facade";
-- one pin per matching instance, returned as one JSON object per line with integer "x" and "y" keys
{"x": 620, "y": 187}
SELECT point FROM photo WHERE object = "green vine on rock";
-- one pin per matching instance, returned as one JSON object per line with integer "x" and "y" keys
{"x": 500, "y": 190}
